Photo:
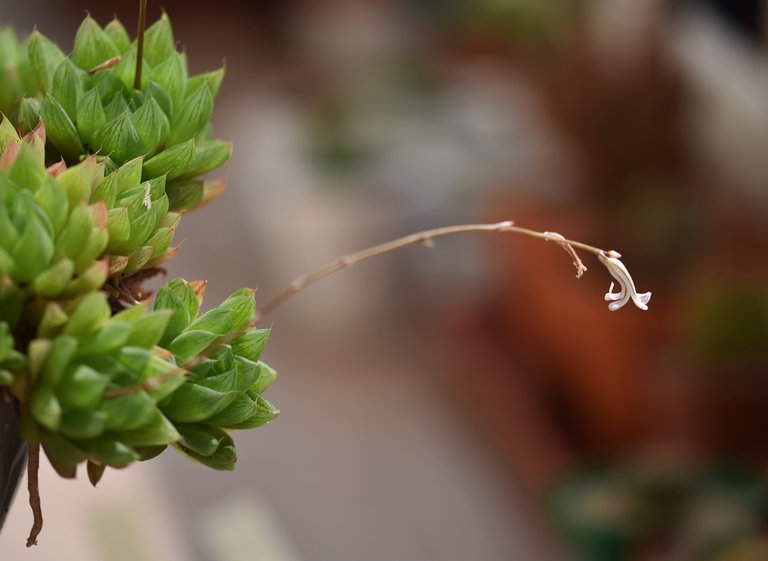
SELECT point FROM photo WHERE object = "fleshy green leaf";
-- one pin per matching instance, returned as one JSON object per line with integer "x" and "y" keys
{"x": 158, "y": 431}
{"x": 191, "y": 343}
{"x": 115, "y": 30}
{"x": 44, "y": 58}
{"x": 63, "y": 455}
{"x": 111, "y": 336}
{"x": 201, "y": 439}
{"x": 265, "y": 413}
{"x": 67, "y": 88}
{"x": 223, "y": 459}
{"x": 171, "y": 76}
{"x": 194, "y": 402}
{"x": 59, "y": 357}
{"x": 128, "y": 412}
{"x": 53, "y": 200}
{"x": 251, "y": 344}
{"x": 54, "y": 279}
{"x": 33, "y": 251}
{"x": 28, "y": 168}
{"x": 92, "y": 45}
{"x": 209, "y": 155}
{"x": 77, "y": 424}
{"x": 151, "y": 124}
{"x": 211, "y": 80}
{"x": 45, "y": 407}
{"x": 239, "y": 411}
{"x": 90, "y": 116}
{"x": 159, "y": 43}
{"x": 81, "y": 387}
{"x": 108, "y": 451}
{"x": 194, "y": 114}
{"x": 171, "y": 162}
{"x": 267, "y": 375}
{"x": 91, "y": 313}
{"x": 60, "y": 130}
{"x": 118, "y": 139}
{"x": 29, "y": 114}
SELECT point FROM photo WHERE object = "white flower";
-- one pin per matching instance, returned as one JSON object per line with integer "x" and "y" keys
{"x": 618, "y": 271}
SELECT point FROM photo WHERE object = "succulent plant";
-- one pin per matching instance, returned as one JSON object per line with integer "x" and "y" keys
{"x": 97, "y": 381}
{"x": 94, "y": 174}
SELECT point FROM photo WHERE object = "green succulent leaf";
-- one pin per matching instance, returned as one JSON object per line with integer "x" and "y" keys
{"x": 110, "y": 337}
{"x": 128, "y": 412}
{"x": 80, "y": 424}
{"x": 151, "y": 124}
{"x": 81, "y": 387}
{"x": 172, "y": 162}
{"x": 67, "y": 88}
{"x": 239, "y": 411}
{"x": 251, "y": 344}
{"x": 156, "y": 432}
{"x": 59, "y": 357}
{"x": 171, "y": 78}
{"x": 196, "y": 402}
{"x": 118, "y": 34}
{"x": 44, "y": 58}
{"x": 159, "y": 41}
{"x": 52, "y": 199}
{"x": 93, "y": 45}
{"x": 193, "y": 115}
{"x": 60, "y": 130}
{"x": 119, "y": 139}
{"x": 265, "y": 413}
{"x": 106, "y": 450}
{"x": 33, "y": 251}
{"x": 201, "y": 439}
{"x": 191, "y": 343}
{"x": 27, "y": 169}
{"x": 209, "y": 155}
{"x": 223, "y": 459}
{"x": 119, "y": 227}
{"x": 8, "y": 135}
{"x": 91, "y": 313}
{"x": 90, "y": 116}
{"x": 52, "y": 282}
{"x": 267, "y": 375}
{"x": 62, "y": 453}
{"x": 114, "y": 106}
{"x": 211, "y": 80}
{"x": 29, "y": 115}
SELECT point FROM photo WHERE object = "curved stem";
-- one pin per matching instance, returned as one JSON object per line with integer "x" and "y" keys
{"x": 33, "y": 484}
{"x": 425, "y": 238}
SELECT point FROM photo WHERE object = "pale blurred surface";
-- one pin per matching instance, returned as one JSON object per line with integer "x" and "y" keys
{"x": 471, "y": 402}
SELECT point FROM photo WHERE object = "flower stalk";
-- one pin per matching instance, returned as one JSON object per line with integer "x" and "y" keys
{"x": 140, "y": 43}
{"x": 426, "y": 238}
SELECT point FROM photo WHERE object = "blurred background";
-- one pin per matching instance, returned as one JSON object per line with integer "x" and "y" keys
{"x": 472, "y": 402}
